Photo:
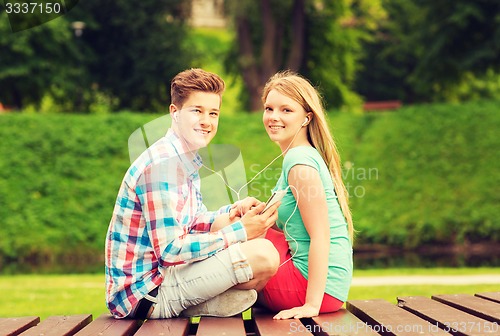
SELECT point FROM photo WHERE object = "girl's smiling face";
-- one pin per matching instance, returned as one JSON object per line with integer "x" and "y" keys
{"x": 283, "y": 118}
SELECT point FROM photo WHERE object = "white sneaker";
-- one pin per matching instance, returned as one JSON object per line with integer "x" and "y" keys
{"x": 229, "y": 303}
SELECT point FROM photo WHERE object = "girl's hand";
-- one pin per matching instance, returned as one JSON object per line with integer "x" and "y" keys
{"x": 306, "y": 310}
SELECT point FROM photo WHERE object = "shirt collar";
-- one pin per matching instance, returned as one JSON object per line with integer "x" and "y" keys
{"x": 191, "y": 159}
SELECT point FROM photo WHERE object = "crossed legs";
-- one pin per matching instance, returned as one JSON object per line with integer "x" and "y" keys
{"x": 247, "y": 265}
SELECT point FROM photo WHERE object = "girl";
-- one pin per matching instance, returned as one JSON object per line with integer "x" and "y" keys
{"x": 315, "y": 224}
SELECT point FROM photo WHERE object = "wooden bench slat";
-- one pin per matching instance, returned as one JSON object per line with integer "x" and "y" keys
{"x": 12, "y": 326}
{"x": 59, "y": 326}
{"x": 178, "y": 327}
{"x": 459, "y": 314}
{"x": 216, "y": 326}
{"x": 106, "y": 325}
{"x": 382, "y": 105}
{"x": 492, "y": 296}
{"x": 388, "y": 319}
{"x": 266, "y": 326}
{"x": 450, "y": 319}
{"x": 341, "y": 323}
{"x": 474, "y": 305}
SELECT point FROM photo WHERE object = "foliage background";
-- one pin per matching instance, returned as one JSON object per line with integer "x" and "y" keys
{"x": 354, "y": 50}
{"x": 424, "y": 175}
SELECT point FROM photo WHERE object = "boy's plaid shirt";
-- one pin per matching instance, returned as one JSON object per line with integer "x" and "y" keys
{"x": 159, "y": 220}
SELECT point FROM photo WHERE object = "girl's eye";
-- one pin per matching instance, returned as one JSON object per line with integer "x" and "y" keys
{"x": 268, "y": 109}
{"x": 214, "y": 114}
{"x": 287, "y": 110}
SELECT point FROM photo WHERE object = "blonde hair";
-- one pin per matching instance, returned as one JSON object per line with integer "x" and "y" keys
{"x": 300, "y": 90}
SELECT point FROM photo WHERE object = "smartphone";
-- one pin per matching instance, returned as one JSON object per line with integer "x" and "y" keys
{"x": 275, "y": 197}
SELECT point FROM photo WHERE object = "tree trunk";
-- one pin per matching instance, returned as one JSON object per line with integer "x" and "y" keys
{"x": 248, "y": 64}
{"x": 256, "y": 69}
{"x": 17, "y": 99}
{"x": 296, "y": 55}
{"x": 268, "y": 50}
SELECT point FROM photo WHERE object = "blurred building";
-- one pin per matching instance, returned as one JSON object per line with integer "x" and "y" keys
{"x": 207, "y": 13}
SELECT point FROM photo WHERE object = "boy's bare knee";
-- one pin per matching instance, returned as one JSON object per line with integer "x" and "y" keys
{"x": 262, "y": 256}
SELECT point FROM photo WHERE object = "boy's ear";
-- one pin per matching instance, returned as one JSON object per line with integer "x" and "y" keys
{"x": 173, "y": 112}
{"x": 172, "y": 108}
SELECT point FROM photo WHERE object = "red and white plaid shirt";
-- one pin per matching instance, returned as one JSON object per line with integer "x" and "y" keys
{"x": 159, "y": 220}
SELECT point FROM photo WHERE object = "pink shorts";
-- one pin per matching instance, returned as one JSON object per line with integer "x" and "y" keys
{"x": 288, "y": 287}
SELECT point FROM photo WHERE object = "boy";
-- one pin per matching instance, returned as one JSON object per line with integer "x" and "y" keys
{"x": 162, "y": 258}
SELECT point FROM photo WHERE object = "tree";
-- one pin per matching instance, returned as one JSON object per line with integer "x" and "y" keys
{"x": 128, "y": 52}
{"x": 337, "y": 30}
{"x": 36, "y": 62}
{"x": 136, "y": 47}
{"x": 319, "y": 39}
{"x": 426, "y": 49}
{"x": 460, "y": 37}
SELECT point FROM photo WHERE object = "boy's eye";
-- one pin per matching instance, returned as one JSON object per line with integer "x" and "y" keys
{"x": 268, "y": 109}
{"x": 214, "y": 114}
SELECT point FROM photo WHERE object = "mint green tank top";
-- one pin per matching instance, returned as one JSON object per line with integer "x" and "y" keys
{"x": 340, "y": 263}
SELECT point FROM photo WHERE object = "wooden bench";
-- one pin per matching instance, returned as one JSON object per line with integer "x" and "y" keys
{"x": 382, "y": 105}
{"x": 458, "y": 314}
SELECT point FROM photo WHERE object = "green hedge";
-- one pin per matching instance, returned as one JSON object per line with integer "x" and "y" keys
{"x": 58, "y": 182}
{"x": 438, "y": 178}
{"x": 422, "y": 175}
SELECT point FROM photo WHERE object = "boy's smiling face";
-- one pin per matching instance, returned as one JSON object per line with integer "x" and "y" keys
{"x": 196, "y": 121}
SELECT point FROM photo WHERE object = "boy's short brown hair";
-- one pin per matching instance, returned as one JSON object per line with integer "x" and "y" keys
{"x": 188, "y": 81}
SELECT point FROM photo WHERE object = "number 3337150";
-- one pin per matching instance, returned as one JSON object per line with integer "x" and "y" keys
{"x": 33, "y": 8}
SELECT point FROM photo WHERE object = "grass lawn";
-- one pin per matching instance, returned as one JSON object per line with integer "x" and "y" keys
{"x": 46, "y": 295}
{"x": 426, "y": 271}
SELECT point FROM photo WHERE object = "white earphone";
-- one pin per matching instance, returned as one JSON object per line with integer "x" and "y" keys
{"x": 305, "y": 121}
{"x": 174, "y": 116}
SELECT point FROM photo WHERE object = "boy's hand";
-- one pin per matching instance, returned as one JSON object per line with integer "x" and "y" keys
{"x": 239, "y": 209}
{"x": 256, "y": 223}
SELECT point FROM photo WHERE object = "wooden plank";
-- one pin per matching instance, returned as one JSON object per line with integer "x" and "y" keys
{"x": 266, "y": 326}
{"x": 216, "y": 326}
{"x": 340, "y": 323}
{"x": 60, "y": 326}
{"x": 12, "y": 326}
{"x": 106, "y": 325}
{"x": 388, "y": 319}
{"x": 174, "y": 326}
{"x": 492, "y": 296}
{"x": 447, "y": 318}
{"x": 474, "y": 305}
